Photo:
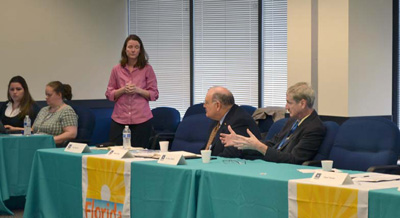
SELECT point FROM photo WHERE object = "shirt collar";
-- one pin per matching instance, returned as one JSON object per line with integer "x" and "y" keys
{"x": 223, "y": 118}
{"x": 304, "y": 118}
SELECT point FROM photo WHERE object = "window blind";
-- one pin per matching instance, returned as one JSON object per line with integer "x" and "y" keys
{"x": 164, "y": 27}
{"x": 274, "y": 52}
{"x": 226, "y": 48}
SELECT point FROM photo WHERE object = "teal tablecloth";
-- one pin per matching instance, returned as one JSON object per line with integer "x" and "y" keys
{"x": 16, "y": 156}
{"x": 254, "y": 189}
{"x": 157, "y": 190}
{"x": 223, "y": 188}
{"x": 384, "y": 203}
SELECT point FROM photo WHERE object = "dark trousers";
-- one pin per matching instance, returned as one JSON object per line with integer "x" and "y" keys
{"x": 140, "y": 133}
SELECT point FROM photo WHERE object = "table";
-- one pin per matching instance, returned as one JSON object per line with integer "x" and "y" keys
{"x": 384, "y": 203}
{"x": 16, "y": 156}
{"x": 223, "y": 188}
{"x": 55, "y": 189}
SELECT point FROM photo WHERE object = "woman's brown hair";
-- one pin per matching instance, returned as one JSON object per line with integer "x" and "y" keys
{"x": 142, "y": 57}
{"x": 26, "y": 101}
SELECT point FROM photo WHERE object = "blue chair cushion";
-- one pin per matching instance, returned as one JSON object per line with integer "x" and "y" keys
{"x": 192, "y": 134}
{"x": 364, "y": 142}
{"x": 86, "y": 122}
{"x": 165, "y": 119}
{"x": 275, "y": 128}
{"x": 103, "y": 122}
{"x": 195, "y": 109}
{"x": 326, "y": 146}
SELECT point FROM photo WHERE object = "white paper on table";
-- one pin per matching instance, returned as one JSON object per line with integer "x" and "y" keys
{"x": 132, "y": 159}
{"x": 376, "y": 180}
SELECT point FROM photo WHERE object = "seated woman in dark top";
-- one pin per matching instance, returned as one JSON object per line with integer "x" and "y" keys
{"x": 19, "y": 104}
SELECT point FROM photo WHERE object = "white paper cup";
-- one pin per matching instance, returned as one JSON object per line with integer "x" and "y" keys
{"x": 327, "y": 165}
{"x": 164, "y": 146}
{"x": 206, "y": 156}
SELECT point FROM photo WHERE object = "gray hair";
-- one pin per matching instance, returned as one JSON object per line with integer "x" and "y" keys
{"x": 302, "y": 90}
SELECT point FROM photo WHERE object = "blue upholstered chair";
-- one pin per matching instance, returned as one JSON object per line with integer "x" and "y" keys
{"x": 364, "y": 142}
{"x": 192, "y": 133}
{"x": 275, "y": 128}
{"x": 326, "y": 146}
{"x": 248, "y": 108}
{"x": 165, "y": 122}
{"x": 103, "y": 122}
{"x": 194, "y": 109}
{"x": 86, "y": 123}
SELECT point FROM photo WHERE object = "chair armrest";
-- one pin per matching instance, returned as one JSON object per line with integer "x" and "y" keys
{"x": 165, "y": 136}
{"x": 388, "y": 169}
{"x": 315, "y": 163}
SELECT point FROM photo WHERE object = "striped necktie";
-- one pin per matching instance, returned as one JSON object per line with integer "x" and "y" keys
{"x": 295, "y": 124}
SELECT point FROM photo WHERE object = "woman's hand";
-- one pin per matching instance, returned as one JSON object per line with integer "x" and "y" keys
{"x": 130, "y": 88}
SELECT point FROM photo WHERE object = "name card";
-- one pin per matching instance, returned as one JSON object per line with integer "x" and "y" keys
{"x": 172, "y": 159}
{"x": 119, "y": 153}
{"x": 331, "y": 178}
{"x": 75, "y": 147}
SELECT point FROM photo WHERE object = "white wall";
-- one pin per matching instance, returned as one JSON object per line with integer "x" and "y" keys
{"x": 333, "y": 57}
{"x": 299, "y": 41}
{"x": 74, "y": 41}
{"x": 370, "y": 57}
{"x": 354, "y": 50}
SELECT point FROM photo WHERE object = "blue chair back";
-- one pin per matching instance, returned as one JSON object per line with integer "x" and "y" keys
{"x": 364, "y": 142}
{"x": 102, "y": 128}
{"x": 326, "y": 146}
{"x": 165, "y": 119}
{"x": 194, "y": 109}
{"x": 276, "y": 128}
{"x": 192, "y": 133}
{"x": 86, "y": 122}
{"x": 248, "y": 108}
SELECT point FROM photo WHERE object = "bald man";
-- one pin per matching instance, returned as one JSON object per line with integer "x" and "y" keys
{"x": 220, "y": 106}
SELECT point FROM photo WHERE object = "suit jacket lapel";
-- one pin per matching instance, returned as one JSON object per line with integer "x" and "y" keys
{"x": 223, "y": 127}
{"x": 298, "y": 130}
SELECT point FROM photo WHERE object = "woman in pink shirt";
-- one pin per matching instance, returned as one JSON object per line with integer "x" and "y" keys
{"x": 131, "y": 86}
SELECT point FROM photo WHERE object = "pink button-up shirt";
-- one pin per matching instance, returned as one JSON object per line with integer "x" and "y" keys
{"x": 132, "y": 109}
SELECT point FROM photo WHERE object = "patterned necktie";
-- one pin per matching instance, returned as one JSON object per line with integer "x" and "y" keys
{"x": 295, "y": 124}
{"x": 212, "y": 136}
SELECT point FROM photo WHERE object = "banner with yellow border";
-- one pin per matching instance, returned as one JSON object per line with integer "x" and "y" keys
{"x": 105, "y": 187}
{"x": 307, "y": 199}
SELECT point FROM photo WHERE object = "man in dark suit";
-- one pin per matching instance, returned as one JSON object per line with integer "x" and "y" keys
{"x": 220, "y": 106}
{"x": 300, "y": 138}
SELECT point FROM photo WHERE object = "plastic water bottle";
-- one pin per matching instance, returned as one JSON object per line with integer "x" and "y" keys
{"x": 27, "y": 125}
{"x": 126, "y": 138}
